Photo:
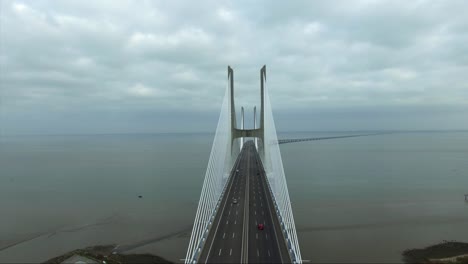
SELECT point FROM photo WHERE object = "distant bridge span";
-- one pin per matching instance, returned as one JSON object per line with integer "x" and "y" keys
{"x": 293, "y": 140}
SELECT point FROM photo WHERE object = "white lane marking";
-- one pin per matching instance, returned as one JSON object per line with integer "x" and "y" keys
{"x": 261, "y": 204}
{"x": 237, "y": 212}
{"x": 254, "y": 204}
{"x": 269, "y": 253}
{"x": 219, "y": 254}
{"x": 230, "y": 252}
{"x": 255, "y": 222}
{"x": 235, "y": 222}
{"x": 266, "y": 236}
{"x": 256, "y": 235}
{"x": 229, "y": 212}
{"x": 233, "y": 234}
{"x": 258, "y": 254}
{"x": 255, "y": 212}
{"x": 224, "y": 235}
{"x": 230, "y": 182}
{"x": 263, "y": 212}
{"x": 227, "y": 222}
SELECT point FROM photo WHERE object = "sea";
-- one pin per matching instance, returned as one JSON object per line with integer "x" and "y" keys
{"x": 360, "y": 199}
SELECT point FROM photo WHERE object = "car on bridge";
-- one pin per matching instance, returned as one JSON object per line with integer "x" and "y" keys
{"x": 234, "y": 201}
{"x": 260, "y": 226}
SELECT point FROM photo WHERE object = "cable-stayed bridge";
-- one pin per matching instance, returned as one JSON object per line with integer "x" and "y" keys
{"x": 244, "y": 213}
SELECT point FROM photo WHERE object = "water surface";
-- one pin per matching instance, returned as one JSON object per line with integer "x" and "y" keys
{"x": 362, "y": 199}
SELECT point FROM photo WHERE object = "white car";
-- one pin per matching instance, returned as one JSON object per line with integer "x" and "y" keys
{"x": 234, "y": 201}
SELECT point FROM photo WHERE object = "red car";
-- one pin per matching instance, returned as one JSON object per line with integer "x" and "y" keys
{"x": 260, "y": 226}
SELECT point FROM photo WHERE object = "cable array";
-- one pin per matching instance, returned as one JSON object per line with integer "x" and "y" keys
{"x": 273, "y": 165}
{"x": 216, "y": 176}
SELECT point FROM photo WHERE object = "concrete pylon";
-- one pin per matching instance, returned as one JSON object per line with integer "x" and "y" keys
{"x": 242, "y": 126}
{"x": 255, "y": 126}
{"x": 257, "y": 133}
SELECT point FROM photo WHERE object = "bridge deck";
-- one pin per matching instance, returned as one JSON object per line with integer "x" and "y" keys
{"x": 234, "y": 236}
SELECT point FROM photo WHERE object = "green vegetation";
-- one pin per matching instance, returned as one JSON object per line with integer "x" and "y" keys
{"x": 447, "y": 252}
{"x": 105, "y": 253}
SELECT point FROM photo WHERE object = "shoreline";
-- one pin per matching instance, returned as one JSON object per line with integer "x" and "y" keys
{"x": 106, "y": 254}
{"x": 445, "y": 252}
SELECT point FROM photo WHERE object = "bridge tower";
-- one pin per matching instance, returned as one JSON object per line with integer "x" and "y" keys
{"x": 257, "y": 133}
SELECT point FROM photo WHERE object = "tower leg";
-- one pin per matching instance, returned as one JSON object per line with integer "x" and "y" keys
{"x": 255, "y": 126}
{"x": 242, "y": 127}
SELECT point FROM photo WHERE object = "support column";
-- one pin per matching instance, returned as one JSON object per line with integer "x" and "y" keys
{"x": 231, "y": 88}
{"x": 262, "y": 96}
{"x": 242, "y": 127}
{"x": 255, "y": 126}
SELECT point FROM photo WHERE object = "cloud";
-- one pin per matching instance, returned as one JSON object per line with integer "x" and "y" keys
{"x": 141, "y": 90}
{"x": 132, "y": 57}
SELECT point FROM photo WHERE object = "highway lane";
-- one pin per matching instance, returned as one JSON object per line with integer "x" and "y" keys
{"x": 234, "y": 236}
{"x": 269, "y": 245}
{"x": 224, "y": 242}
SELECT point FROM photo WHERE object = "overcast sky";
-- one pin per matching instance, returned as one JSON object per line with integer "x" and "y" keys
{"x": 160, "y": 66}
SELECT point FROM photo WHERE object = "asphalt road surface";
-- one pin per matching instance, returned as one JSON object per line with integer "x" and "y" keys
{"x": 234, "y": 236}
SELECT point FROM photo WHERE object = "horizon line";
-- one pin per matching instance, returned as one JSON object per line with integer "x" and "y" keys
{"x": 212, "y": 132}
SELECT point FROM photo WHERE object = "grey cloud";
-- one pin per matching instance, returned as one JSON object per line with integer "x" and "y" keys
{"x": 106, "y": 57}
